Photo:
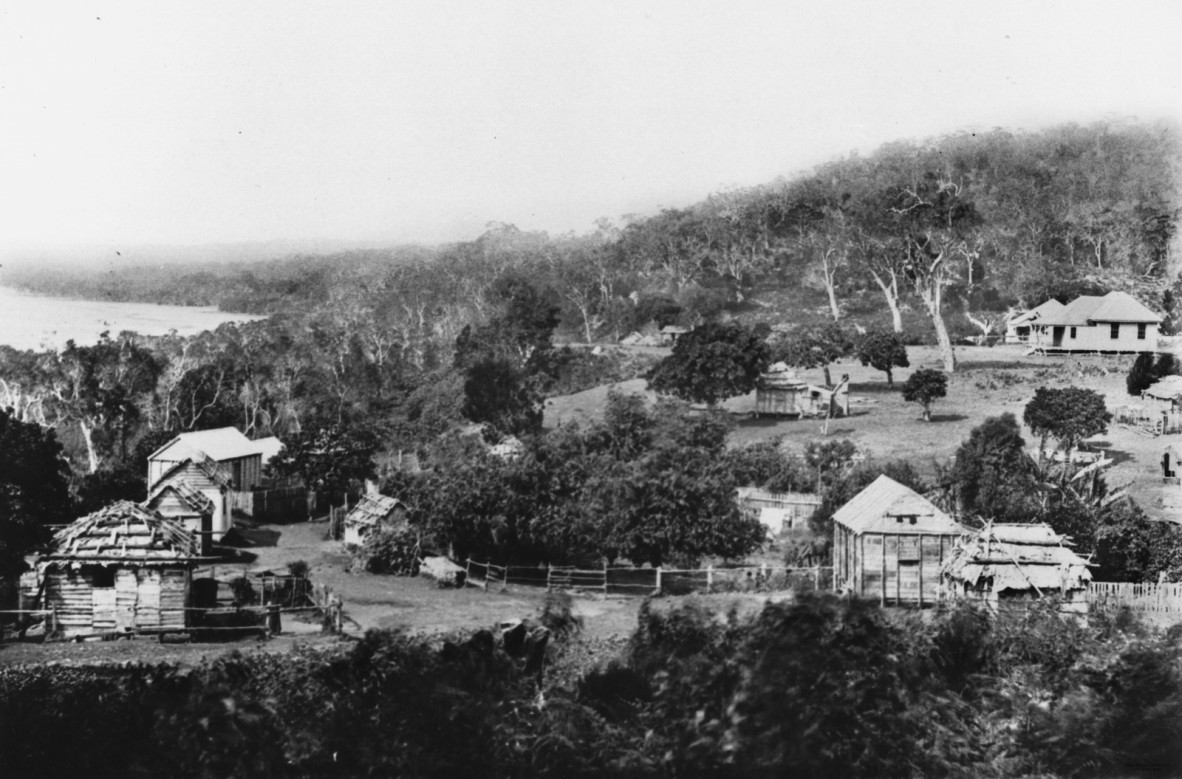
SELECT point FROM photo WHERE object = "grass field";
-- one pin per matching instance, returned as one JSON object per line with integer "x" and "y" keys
{"x": 988, "y": 382}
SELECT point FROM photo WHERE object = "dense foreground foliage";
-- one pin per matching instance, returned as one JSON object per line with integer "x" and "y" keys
{"x": 821, "y": 687}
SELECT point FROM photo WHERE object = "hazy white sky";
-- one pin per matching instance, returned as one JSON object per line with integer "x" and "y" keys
{"x": 205, "y": 122}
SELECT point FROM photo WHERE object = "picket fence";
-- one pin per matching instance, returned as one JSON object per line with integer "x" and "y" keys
{"x": 1165, "y": 597}
{"x": 645, "y": 581}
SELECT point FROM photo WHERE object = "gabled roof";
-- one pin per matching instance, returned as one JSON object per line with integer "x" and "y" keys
{"x": 205, "y": 464}
{"x": 1038, "y": 313}
{"x": 267, "y": 447}
{"x": 1113, "y": 307}
{"x": 1017, "y": 557}
{"x": 192, "y": 497}
{"x": 222, "y": 443}
{"x": 877, "y": 508}
{"x": 372, "y": 510}
{"x": 124, "y": 531}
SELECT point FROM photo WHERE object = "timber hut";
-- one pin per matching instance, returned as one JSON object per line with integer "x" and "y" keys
{"x": 239, "y": 458}
{"x": 201, "y": 474}
{"x": 889, "y": 542}
{"x": 780, "y": 392}
{"x": 1171, "y": 464}
{"x": 371, "y": 512}
{"x": 179, "y": 501}
{"x": 1012, "y": 563}
{"x": 122, "y": 568}
{"x": 778, "y": 511}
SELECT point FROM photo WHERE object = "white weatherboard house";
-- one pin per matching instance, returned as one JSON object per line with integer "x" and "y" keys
{"x": 217, "y": 463}
{"x": 1116, "y": 322}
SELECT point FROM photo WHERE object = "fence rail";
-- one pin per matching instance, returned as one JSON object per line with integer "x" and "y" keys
{"x": 645, "y": 581}
{"x": 1165, "y": 597}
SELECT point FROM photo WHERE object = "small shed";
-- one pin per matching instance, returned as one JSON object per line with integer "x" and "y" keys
{"x": 670, "y": 334}
{"x": 780, "y": 392}
{"x": 122, "y": 568}
{"x": 889, "y": 542}
{"x": 371, "y": 512}
{"x": 1010, "y": 563}
{"x": 778, "y": 511}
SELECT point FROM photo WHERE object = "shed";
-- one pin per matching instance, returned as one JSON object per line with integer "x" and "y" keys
{"x": 889, "y": 542}
{"x": 1017, "y": 562}
{"x": 203, "y": 475}
{"x": 236, "y": 455}
{"x": 780, "y": 391}
{"x": 122, "y": 568}
{"x": 371, "y": 512}
{"x": 778, "y": 511}
{"x": 179, "y": 501}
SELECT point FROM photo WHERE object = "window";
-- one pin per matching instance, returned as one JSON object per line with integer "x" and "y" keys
{"x": 1115, "y": 329}
{"x": 1141, "y": 332}
{"x": 103, "y": 577}
{"x": 1073, "y": 333}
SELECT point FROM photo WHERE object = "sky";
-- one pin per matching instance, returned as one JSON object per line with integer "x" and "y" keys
{"x": 219, "y": 122}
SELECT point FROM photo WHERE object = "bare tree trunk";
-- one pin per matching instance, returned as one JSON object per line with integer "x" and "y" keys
{"x": 930, "y": 293}
{"x": 832, "y": 301}
{"x": 88, "y": 436}
{"x": 891, "y": 293}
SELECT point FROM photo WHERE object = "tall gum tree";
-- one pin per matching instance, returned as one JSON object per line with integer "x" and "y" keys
{"x": 936, "y": 221}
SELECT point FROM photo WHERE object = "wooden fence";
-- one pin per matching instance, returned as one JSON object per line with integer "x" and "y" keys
{"x": 274, "y": 505}
{"x": 645, "y": 581}
{"x": 1166, "y": 597}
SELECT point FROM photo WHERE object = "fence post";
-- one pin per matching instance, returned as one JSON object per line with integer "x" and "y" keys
{"x": 817, "y": 581}
{"x": 605, "y": 578}
{"x": 468, "y": 572}
{"x": 658, "y": 588}
{"x": 709, "y": 577}
{"x": 549, "y": 574}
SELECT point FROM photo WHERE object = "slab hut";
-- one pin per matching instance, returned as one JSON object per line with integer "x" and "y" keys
{"x": 778, "y": 511}
{"x": 371, "y": 512}
{"x": 780, "y": 392}
{"x": 1007, "y": 564}
{"x": 122, "y": 568}
{"x": 889, "y": 542}
{"x": 179, "y": 501}
{"x": 201, "y": 474}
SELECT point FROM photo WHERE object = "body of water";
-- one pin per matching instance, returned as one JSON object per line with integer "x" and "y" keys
{"x": 29, "y": 321}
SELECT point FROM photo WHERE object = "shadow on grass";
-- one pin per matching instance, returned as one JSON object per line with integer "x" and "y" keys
{"x": 875, "y": 388}
{"x": 243, "y": 536}
{"x": 948, "y": 417}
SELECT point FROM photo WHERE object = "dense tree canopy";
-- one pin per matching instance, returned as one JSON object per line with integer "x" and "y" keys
{"x": 1069, "y": 415}
{"x": 924, "y": 387}
{"x": 713, "y": 362}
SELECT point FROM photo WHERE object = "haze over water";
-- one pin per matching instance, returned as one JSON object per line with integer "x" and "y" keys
{"x": 30, "y": 321}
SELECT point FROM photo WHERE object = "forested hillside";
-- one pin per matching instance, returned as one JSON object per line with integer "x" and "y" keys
{"x": 935, "y": 240}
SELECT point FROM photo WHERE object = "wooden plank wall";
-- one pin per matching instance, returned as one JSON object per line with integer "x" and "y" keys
{"x": 900, "y": 568}
{"x": 141, "y": 598}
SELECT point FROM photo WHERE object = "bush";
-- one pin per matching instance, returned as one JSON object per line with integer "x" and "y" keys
{"x": 390, "y": 549}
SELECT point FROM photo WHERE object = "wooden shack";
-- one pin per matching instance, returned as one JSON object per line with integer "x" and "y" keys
{"x": 780, "y": 392}
{"x": 201, "y": 474}
{"x": 889, "y": 543}
{"x": 179, "y": 501}
{"x": 371, "y": 512}
{"x": 121, "y": 569}
{"x": 239, "y": 458}
{"x": 1171, "y": 464}
{"x": 778, "y": 511}
{"x": 1011, "y": 564}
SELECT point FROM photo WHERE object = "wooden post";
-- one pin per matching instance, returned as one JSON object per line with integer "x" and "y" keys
{"x": 468, "y": 572}
{"x": 549, "y": 576}
{"x": 882, "y": 589}
{"x": 921, "y": 571}
{"x": 709, "y": 577}
{"x": 816, "y": 577}
{"x": 605, "y": 578}
{"x": 658, "y": 587}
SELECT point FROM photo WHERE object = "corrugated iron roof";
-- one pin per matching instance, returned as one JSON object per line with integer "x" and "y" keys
{"x": 1038, "y": 313}
{"x": 124, "y": 531}
{"x": 880, "y": 507}
{"x": 1113, "y": 307}
{"x": 222, "y": 443}
{"x": 207, "y": 465}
